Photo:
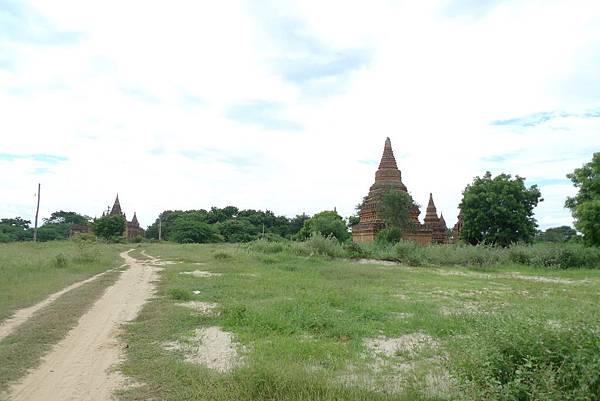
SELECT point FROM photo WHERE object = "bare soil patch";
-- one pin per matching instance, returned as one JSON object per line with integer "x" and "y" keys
{"x": 203, "y": 308}
{"x": 211, "y": 347}
{"x": 408, "y": 344}
{"x": 541, "y": 279}
{"x": 201, "y": 273}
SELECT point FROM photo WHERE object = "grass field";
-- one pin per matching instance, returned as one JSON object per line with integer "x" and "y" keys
{"x": 314, "y": 328}
{"x": 30, "y": 272}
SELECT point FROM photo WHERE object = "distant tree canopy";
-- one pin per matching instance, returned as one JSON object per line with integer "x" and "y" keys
{"x": 109, "y": 227}
{"x": 55, "y": 227}
{"x": 226, "y": 224}
{"x": 62, "y": 217}
{"x": 58, "y": 225}
{"x": 499, "y": 210}
{"x": 189, "y": 229}
{"x": 15, "y": 229}
{"x": 585, "y": 206}
{"x": 327, "y": 223}
{"x": 557, "y": 234}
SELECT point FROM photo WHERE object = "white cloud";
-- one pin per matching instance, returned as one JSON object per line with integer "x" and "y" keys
{"x": 143, "y": 84}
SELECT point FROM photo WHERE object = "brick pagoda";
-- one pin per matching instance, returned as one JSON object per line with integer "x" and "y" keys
{"x": 387, "y": 177}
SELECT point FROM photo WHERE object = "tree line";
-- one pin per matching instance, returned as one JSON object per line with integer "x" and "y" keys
{"x": 495, "y": 211}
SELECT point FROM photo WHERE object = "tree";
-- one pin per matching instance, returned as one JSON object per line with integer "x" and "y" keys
{"x": 557, "y": 234}
{"x": 58, "y": 225}
{"x": 16, "y": 229}
{"x": 394, "y": 209}
{"x": 62, "y": 217}
{"x": 187, "y": 229}
{"x": 108, "y": 227}
{"x": 585, "y": 206}
{"x": 238, "y": 230}
{"x": 327, "y": 223}
{"x": 499, "y": 211}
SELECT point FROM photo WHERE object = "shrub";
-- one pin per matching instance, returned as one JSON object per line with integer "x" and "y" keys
{"x": 60, "y": 261}
{"x": 266, "y": 246}
{"x": 319, "y": 245}
{"x": 525, "y": 360}
{"x": 355, "y": 251}
{"x": 389, "y": 235}
{"x": 180, "y": 294}
{"x": 410, "y": 253}
{"x": 328, "y": 224}
{"x": 221, "y": 255}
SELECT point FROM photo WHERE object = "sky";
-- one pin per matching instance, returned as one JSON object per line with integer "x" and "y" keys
{"x": 285, "y": 105}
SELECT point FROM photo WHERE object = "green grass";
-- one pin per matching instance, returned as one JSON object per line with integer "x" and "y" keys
{"x": 29, "y": 272}
{"x": 302, "y": 319}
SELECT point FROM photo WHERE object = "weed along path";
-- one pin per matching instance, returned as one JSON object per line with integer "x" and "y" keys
{"x": 79, "y": 367}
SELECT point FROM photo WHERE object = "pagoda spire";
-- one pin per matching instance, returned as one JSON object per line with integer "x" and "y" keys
{"x": 443, "y": 222}
{"x": 431, "y": 213}
{"x": 116, "y": 209}
{"x": 388, "y": 161}
{"x": 388, "y": 173}
{"x": 134, "y": 220}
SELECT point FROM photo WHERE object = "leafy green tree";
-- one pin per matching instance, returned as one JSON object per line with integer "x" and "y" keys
{"x": 327, "y": 223}
{"x": 58, "y": 225}
{"x": 499, "y": 210}
{"x": 585, "y": 206}
{"x": 16, "y": 229}
{"x": 187, "y": 229}
{"x": 62, "y": 217}
{"x": 557, "y": 234}
{"x": 394, "y": 209}
{"x": 109, "y": 227}
{"x": 238, "y": 230}
{"x": 353, "y": 220}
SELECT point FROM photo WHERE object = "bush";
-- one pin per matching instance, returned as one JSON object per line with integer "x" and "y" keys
{"x": 60, "y": 261}
{"x": 221, "y": 255}
{"x": 266, "y": 246}
{"x": 180, "y": 294}
{"x": 389, "y": 235}
{"x": 137, "y": 239}
{"x": 319, "y": 245}
{"x": 410, "y": 253}
{"x": 327, "y": 224}
{"x": 543, "y": 255}
{"x": 525, "y": 360}
{"x": 355, "y": 251}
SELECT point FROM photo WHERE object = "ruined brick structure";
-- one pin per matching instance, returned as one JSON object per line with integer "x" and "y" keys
{"x": 455, "y": 236}
{"x": 387, "y": 177}
{"x": 132, "y": 228}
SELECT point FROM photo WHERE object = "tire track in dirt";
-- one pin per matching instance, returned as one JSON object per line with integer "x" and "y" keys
{"x": 22, "y": 315}
{"x": 79, "y": 367}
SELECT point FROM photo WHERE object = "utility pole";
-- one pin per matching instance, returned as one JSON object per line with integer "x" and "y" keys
{"x": 159, "y": 228}
{"x": 37, "y": 211}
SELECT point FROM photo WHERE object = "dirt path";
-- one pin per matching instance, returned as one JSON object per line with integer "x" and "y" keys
{"x": 22, "y": 315}
{"x": 78, "y": 368}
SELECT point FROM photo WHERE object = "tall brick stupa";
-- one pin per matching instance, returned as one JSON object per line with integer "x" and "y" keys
{"x": 387, "y": 177}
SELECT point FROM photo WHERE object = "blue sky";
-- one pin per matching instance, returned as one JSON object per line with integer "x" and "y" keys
{"x": 285, "y": 105}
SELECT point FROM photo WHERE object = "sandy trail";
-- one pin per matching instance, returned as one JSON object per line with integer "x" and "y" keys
{"x": 22, "y": 315}
{"x": 79, "y": 367}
